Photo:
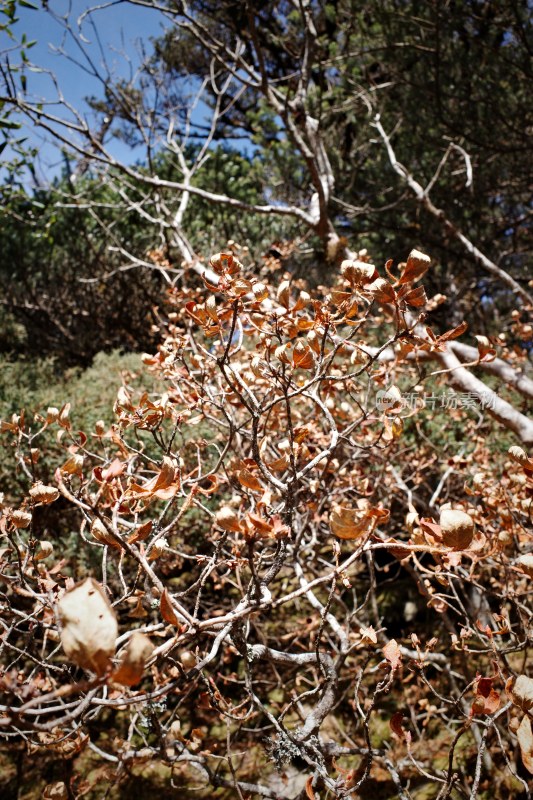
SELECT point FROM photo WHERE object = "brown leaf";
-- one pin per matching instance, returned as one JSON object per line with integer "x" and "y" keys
{"x": 416, "y": 297}
{"x": 164, "y": 485}
{"x": 249, "y": 481}
{"x": 487, "y": 352}
{"x": 227, "y": 519}
{"x": 454, "y": 333}
{"x": 525, "y": 741}
{"x": 165, "y": 606}
{"x": 133, "y": 660}
{"x": 349, "y": 523}
{"x": 416, "y": 267}
{"x": 88, "y": 626}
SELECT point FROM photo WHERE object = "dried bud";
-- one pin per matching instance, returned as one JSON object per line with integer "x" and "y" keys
{"x": 458, "y": 529}
{"x": 40, "y": 493}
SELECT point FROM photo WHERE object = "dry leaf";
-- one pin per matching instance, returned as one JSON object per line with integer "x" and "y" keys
{"x": 88, "y": 626}
{"x": 457, "y": 529}
{"x": 348, "y": 523}
{"x": 392, "y": 653}
{"x": 525, "y": 740}
{"x": 42, "y": 494}
{"x": 522, "y": 693}
{"x": 416, "y": 267}
{"x": 167, "y": 611}
{"x": 227, "y": 519}
{"x": 133, "y": 660}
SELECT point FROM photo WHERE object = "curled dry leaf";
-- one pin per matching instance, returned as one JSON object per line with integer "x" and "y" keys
{"x": 163, "y": 486}
{"x": 88, "y": 627}
{"x": 283, "y": 294}
{"x": 457, "y": 529}
{"x": 133, "y": 660}
{"x": 102, "y": 534}
{"x": 486, "y": 351}
{"x": 42, "y": 494}
{"x": 249, "y": 481}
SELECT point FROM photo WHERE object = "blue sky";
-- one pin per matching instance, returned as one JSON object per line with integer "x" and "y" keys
{"x": 120, "y": 27}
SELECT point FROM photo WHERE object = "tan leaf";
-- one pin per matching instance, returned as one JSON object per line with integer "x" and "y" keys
{"x": 522, "y": 693}
{"x": 21, "y": 518}
{"x": 525, "y": 564}
{"x": 525, "y": 741}
{"x": 416, "y": 297}
{"x": 73, "y": 465}
{"x": 133, "y": 660}
{"x": 43, "y": 550}
{"x": 392, "y": 653}
{"x": 368, "y": 634}
{"x": 88, "y": 626}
